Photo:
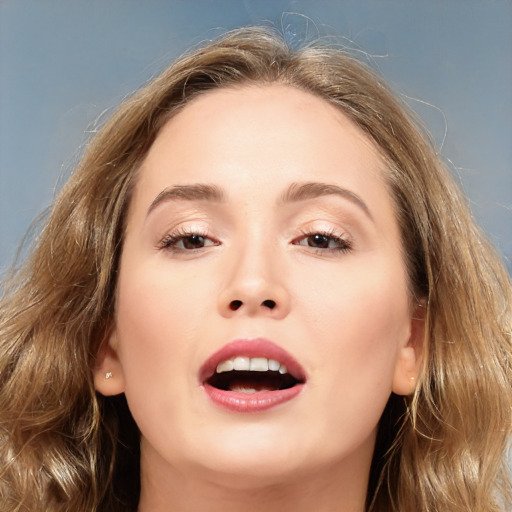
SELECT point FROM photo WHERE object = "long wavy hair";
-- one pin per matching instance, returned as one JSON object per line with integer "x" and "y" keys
{"x": 63, "y": 447}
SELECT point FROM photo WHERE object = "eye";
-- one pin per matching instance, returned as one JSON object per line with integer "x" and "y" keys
{"x": 324, "y": 241}
{"x": 187, "y": 241}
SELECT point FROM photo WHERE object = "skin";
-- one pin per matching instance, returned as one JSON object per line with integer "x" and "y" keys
{"x": 343, "y": 311}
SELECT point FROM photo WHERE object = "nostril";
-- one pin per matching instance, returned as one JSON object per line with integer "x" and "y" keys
{"x": 235, "y": 304}
{"x": 270, "y": 304}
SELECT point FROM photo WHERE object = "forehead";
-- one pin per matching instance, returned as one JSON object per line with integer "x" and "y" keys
{"x": 274, "y": 130}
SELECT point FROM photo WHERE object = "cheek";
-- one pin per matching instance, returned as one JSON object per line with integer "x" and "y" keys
{"x": 158, "y": 317}
{"x": 360, "y": 320}
{"x": 152, "y": 301}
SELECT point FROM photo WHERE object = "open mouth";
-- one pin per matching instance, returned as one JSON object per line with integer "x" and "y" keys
{"x": 252, "y": 375}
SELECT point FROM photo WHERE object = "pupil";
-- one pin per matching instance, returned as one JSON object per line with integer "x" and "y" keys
{"x": 193, "y": 242}
{"x": 319, "y": 241}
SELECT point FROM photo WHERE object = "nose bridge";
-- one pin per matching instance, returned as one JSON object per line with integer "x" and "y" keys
{"x": 255, "y": 284}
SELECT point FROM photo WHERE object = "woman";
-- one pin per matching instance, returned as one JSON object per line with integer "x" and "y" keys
{"x": 260, "y": 290}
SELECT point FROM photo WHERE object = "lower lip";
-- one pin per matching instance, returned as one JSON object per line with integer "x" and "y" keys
{"x": 251, "y": 402}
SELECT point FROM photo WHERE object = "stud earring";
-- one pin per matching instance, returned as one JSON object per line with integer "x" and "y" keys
{"x": 108, "y": 375}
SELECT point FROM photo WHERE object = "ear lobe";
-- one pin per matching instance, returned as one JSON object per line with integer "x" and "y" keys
{"x": 410, "y": 356}
{"x": 108, "y": 371}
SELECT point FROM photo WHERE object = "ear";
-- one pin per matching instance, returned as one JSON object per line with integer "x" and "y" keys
{"x": 108, "y": 371}
{"x": 410, "y": 355}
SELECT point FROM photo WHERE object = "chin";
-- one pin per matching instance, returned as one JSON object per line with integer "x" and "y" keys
{"x": 251, "y": 456}
{"x": 255, "y": 473}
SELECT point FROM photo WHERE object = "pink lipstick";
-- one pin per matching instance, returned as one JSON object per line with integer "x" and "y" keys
{"x": 251, "y": 375}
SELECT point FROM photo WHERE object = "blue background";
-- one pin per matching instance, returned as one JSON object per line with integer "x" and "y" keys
{"x": 64, "y": 64}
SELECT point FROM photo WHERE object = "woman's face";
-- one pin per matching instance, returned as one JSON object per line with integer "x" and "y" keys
{"x": 260, "y": 232}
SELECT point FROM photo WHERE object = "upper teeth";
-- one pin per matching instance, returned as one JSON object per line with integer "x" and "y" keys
{"x": 253, "y": 364}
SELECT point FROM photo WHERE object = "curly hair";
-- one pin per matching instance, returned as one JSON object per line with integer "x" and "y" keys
{"x": 64, "y": 447}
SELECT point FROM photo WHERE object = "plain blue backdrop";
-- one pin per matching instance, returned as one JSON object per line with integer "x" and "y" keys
{"x": 64, "y": 64}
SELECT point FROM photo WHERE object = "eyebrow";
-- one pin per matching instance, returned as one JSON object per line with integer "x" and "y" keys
{"x": 311, "y": 190}
{"x": 193, "y": 192}
{"x": 294, "y": 193}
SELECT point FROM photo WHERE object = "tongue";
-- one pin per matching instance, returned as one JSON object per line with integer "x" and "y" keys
{"x": 244, "y": 389}
{"x": 251, "y": 382}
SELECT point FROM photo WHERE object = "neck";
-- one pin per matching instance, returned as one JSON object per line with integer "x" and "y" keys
{"x": 337, "y": 488}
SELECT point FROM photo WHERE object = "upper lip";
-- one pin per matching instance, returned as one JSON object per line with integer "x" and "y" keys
{"x": 252, "y": 347}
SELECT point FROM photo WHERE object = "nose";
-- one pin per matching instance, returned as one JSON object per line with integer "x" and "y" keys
{"x": 255, "y": 286}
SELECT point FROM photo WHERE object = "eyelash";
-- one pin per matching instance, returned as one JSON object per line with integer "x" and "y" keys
{"x": 170, "y": 242}
{"x": 342, "y": 243}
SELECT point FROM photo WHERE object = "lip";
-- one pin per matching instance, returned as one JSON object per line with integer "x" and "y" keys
{"x": 251, "y": 402}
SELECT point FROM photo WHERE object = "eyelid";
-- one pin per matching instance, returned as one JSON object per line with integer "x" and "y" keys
{"x": 325, "y": 226}
{"x": 340, "y": 237}
{"x": 173, "y": 236}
